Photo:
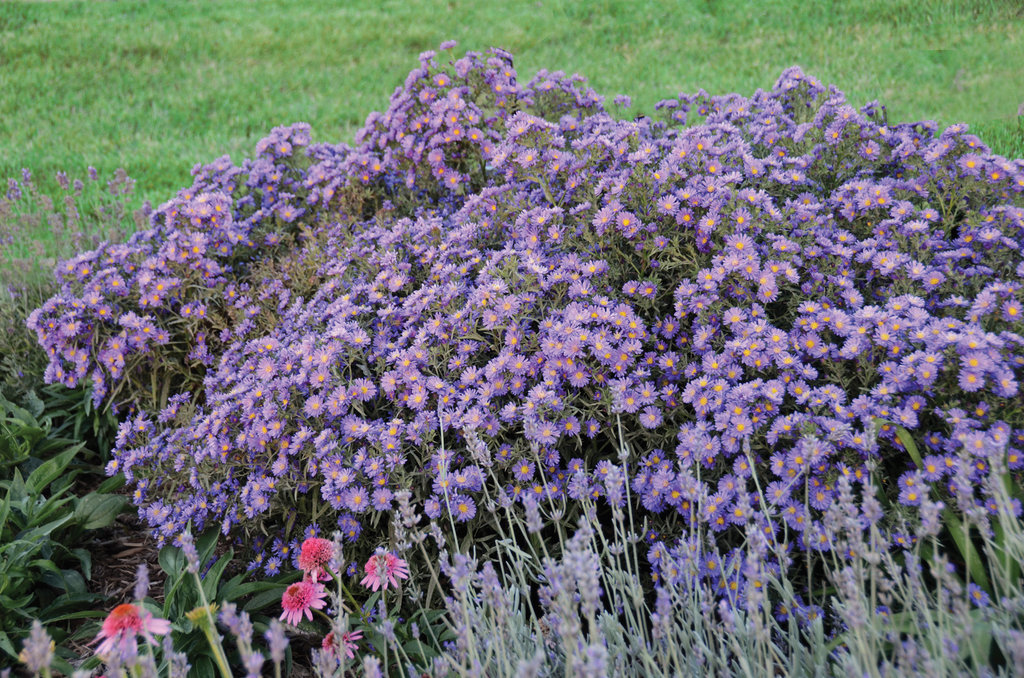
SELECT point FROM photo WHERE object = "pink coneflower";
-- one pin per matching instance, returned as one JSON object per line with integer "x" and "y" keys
{"x": 383, "y": 568}
{"x": 302, "y": 598}
{"x": 123, "y": 624}
{"x": 315, "y": 556}
{"x": 348, "y": 642}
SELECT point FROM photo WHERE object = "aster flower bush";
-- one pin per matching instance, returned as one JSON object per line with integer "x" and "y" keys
{"x": 501, "y": 287}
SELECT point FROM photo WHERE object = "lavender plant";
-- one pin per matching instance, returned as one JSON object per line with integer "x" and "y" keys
{"x": 36, "y": 231}
{"x": 752, "y": 296}
{"x": 526, "y": 612}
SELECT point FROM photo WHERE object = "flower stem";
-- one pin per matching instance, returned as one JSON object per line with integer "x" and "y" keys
{"x": 203, "y": 617}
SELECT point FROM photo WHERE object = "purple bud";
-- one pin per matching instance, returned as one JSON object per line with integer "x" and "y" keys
{"x": 371, "y": 667}
{"x": 188, "y": 547}
{"x": 253, "y": 664}
{"x": 277, "y": 641}
{"x": 533, "y": 521}
{"x": 142, "y": 582}
{"x": 38, "y": 649}
{"x": 596, "y": 661}
{"x": 178, "y": 665}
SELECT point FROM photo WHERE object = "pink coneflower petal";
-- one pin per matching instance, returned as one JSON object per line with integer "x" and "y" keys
{"x": 315, "y": 556}
{"x": 383, "y": 569}
{"x": 348, "y": 643}
{"x": 301, "y": 598}
{"x": 122, "y": 626}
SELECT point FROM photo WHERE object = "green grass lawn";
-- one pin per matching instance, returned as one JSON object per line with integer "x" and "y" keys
{"x": 156, "y": 87}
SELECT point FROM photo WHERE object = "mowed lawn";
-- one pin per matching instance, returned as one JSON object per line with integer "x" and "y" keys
{"x": 160, "y": 86}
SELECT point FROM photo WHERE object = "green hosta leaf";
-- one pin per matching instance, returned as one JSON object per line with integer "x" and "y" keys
{"x": 99, "y": 510}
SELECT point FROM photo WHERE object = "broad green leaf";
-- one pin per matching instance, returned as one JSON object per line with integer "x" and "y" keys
{"x": 19, "y": 605}
{"x": 171, "y": 560}
{"x": 99, "y": 510}
{"x": 44, "y": 531}
{"x": 84, "y": 557}
{"x": 203, "y": 668}
{"x": 111, "y": 484}
{"x": 262, "y": 600}
{"x": 73, "y": 582}
{"x": 206, "y": 543}
{"x": 41, "y": 513}
{"x": 51, "y": 469}
{"x": 212, "y": 578}
{"x": 234, "y": 589}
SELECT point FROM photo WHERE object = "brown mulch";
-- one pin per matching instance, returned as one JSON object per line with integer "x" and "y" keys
{"x": 117, "y": 551}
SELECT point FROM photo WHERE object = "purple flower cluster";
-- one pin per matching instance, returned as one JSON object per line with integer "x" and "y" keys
{"x": 155, "y": 308}
{"x": 502, "y": 279}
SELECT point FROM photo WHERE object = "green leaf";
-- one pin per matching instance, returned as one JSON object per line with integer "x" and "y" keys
{"x": 20, "y": 605}
{"x": 212, "y": 579}
{"x": 84, "y": 557}
{"x": 6, "y": 646}
{"x": 34, "y": 404}
{"x": 1009, "y": 564}
{"x": 910, "y": 446}
{"x": 956, "y": 528}
{"x": 52, "y": 613}
{"x": 234, "y": 589}
{"x": 171, "y": 560}
{"x": 206, "y": 544}
{"x": 44, "y": 531}
{"x": 5, "y": 509}
{"x": 967, "y": 550}
{"x": 99, "y": 510}
{"x": 262, "y": 600}
{"x": 111, "y": 484}
{"x": 51, "y": 469}
{"x": 203, "y": 667}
